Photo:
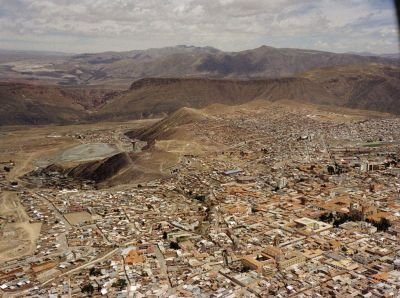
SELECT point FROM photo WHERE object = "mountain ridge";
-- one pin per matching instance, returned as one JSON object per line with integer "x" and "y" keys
{"x": 113, "y": 68}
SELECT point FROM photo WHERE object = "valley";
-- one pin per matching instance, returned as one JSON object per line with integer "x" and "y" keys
{"x": 192, "y": 172}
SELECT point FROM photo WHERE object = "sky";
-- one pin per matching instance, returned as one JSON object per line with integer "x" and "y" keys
{"x": 78, "y": 26}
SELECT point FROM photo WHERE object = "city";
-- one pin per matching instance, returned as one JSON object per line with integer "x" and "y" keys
{"x": 290, "y": 202}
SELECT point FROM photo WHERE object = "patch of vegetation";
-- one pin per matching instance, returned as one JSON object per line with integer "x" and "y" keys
{"x": 174, "y": 245}
{"x": 94, "y": 272}
{"x": 341, "y": 218}
{"x": 88, "y": 289}
{"x": 200, "y": 198}
{"x": 120, "y": 284}
{"x": 382, "y": 225}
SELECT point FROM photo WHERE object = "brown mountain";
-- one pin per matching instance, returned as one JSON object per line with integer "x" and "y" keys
{"x": 274, "y": 62}
{"x": 118, "y": 68}
{"x": 187, "y": 61}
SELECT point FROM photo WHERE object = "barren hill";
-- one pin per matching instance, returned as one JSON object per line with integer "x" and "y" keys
{"x": 370, "y": 87}
{"x": 268, "y": 61}
{"x": 155, "y": 97}
{"x": 28, "y": 104}
{"x": 168, "y": 126}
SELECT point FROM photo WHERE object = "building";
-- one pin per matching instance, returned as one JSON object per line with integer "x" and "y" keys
{"x": 290, "y": 259}
{"x": 233, "y": 172}
{"x": 311, "y": 225}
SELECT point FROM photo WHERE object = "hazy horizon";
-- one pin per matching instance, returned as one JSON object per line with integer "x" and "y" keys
{"x": 172, "y": 46}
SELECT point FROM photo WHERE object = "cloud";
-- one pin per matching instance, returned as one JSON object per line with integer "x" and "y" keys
{"x": 99, "y": 25}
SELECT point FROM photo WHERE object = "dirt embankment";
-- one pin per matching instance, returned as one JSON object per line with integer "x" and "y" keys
{"x": 99, "y": 171}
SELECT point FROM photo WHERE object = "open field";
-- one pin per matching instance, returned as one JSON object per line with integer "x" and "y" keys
{"x": 19, "y": 240}
{"x": 76, "y": 218}
{"x": 18, "y": 236}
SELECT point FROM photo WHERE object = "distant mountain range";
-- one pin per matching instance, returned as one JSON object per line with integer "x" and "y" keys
{"x": 121, "y": 68}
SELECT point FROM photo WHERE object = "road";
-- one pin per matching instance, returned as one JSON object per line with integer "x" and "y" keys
{"x": 109, "y": 254}
{"x": 163, "y": 264}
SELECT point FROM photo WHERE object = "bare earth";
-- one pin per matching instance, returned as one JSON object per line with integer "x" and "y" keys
{"x": 75, "y": 218}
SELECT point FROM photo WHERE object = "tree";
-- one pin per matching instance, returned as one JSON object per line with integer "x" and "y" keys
{"x": 88, "y": 289}
{"x": 355, "y": 215}
{"x": 120, "y": 284}
{"x": 174, "y": 245}
{"x": 94, "y": 272}
{"x": 326, "y": 217}
{"x": 200, "y": 198}
{"x": 331, "y": 170}
{"x": 383, "y": 225}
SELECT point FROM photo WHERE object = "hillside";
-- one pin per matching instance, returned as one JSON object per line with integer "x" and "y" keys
{"x": 102, "y": 170}
{"x": 37, "y": 104}
{"x": 168, "y": 126}
{"x": 370, "y": 87}
{"x": 277, "y": 62}
{"x": 155, "y": 97}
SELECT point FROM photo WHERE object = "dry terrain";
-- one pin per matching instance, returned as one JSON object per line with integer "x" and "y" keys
{"x": 372, "y": 87}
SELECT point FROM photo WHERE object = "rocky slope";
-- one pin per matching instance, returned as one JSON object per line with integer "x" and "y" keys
{"x": 370, "y": 87}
